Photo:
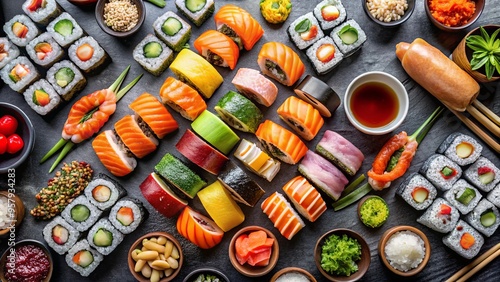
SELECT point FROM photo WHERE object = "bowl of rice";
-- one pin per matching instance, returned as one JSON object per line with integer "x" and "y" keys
{"x": 388, "y": 13}
{"x": 405, "y": 250}
{"x": 120, "y": 18}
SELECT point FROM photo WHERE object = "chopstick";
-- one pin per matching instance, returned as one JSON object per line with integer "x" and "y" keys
{"x": 487, "y": 119}
{"x": 487, "y": 112}
{"x": 476, "y": 265}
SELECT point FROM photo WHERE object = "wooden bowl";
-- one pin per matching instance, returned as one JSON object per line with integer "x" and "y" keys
{"x": 4, "y": 258}
{"x": 360, "y": 204}
{"x": 291, "y": 270}
{"x": 18, "y": 211}
{"x": 363, "y": 263}
{"x": 385, "y": 237}
{"x": 396, "y": 23}
{"x": 99, "y": 16}
{"x": 206, "y": 270}
{"x": 138, "y": 245}
{"x": 475, "y": 16}
{"x": 246, "y": 269}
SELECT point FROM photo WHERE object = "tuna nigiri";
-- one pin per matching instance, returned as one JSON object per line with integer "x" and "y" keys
{"x": 283, "y": 216}
{"x": 301, "y": 117}
{"x": 154, "y": 114}
{"x": 239, "y": 25}
{"x": 280, "y": 62}
{"x": 255, "y": 86}
{"x": 112, "y": 154}
{"x": 217, "y": 48}
{"x": 305, "y": 198}
{"x": 182, "y": 98}
{"x": 139, "y": 142}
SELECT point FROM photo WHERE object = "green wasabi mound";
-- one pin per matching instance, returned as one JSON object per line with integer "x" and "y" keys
{"x": 339, "y": 255}
{"x": 374, "y": 212}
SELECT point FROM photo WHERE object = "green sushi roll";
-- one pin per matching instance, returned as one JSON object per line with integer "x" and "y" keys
{"x": 153, "y": 55}
{"x": 463, "y": 196}
{"x": 239, "y": 112}
{"x": 81, "y": 214}
{"x": 172, "y": 30}
{"x": 197, "y": 11}
{"x": 66, "y": 79}
{"x": 65, "y": 30}
{"x": 349, "y": 37}
{"x": 441, "y": 171}
{"x": 209, "y": 127}
{"x": 485, "y": 217}
{"x": 484, "y": 174}
{"x": 104, "y": 237}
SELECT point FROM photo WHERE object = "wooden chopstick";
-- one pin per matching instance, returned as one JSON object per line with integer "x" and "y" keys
{"x": 467, "y": 271}
{"x": 484, "y": 119}
{"x": 487, "y": 112}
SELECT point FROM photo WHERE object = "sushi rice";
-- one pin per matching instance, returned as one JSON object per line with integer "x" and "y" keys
{"x": 348, "y": 49}
{"x": 474, "y": 217}
{"x": 432, "y": 171}
{"x": 494, "y": 196}
{"x": 457, "y": 190}
{"x": 83, "y": 245}
{"x": 106, "y": 226}
{"x": 296, "y": 37}
{"x": 452, "y": 240}
{"x": 449, "y": 148}
{"x": 116, "y": 191}
{"x": 325, "y": 25}
{"x": 197, "y": 17}
{"x": 472, "y": 174}
{"x": 54, "y": 98}
{"x": 413, "y": 181}
{"x": 10, "y": 49}
{"x": 26, "y": 80}
{"x": 61, "y": 39}
{"x": 98, "y": 58}
{"x": 94, "y": 214}
{"x": 32, "y": 30}
{"x": 179, "y": 39}
{"x": 157, "y": 64}
{"x": 320, "y": 67}
{"x": 138, "y": 210}
{"x": 73, "y": 235}
{"x": 53, "y": 56}
{"x": 77, "y": 84}
{"x": 434, "y": 219}
{"x": 43, "y": 14}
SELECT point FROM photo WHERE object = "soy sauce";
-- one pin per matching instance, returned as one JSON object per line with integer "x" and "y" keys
{"x": 374, "y": 104}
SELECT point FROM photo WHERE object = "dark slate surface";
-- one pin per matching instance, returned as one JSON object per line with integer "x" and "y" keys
{"x": 377, "y": 54}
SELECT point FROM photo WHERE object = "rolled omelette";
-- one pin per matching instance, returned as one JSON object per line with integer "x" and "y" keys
{"x": 439, "y": 75}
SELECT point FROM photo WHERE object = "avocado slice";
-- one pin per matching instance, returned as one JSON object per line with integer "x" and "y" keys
{"x": 103, "y": 238}
{"x": 64, "y": 76}
{"x": 64, "y": 27}
{"x": 80, "y": 213}
{"x": 195, "y": 5}
{"x": 152, "y": 50}
{"x": 171, "y": 26}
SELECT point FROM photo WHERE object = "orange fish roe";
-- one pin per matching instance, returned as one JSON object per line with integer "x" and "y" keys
{"x": 452, "y": 12}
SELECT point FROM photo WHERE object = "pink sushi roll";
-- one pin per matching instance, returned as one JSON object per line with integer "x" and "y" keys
{"x": 341, "y": 152}
{"x": 255, "y": 86}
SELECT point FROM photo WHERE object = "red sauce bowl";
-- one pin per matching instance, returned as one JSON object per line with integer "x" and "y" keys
{"x": 6, "y": 257}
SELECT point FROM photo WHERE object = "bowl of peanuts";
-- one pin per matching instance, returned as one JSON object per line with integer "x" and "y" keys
{"x": 388, "y": 13}
{"x": 120, "y": 18}
{"x": 156, "y": 256}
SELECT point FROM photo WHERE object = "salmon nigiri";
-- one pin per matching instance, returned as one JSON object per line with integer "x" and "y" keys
{"x": 301, "y": 117}
{"x": 280, "y": 142}
{"x": 217, "y": 48}
{"x": 112, "y": 154}
{"x": 280, "y": 62}
{"x": 182, "y": 98}
{"x": 154, "y": 114}
{"x": 239, "y": 25}
{"x": 140, "y": 142}
{"x": 305, "y": 198}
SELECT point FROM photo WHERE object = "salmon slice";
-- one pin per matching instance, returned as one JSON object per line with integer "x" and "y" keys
{"x": 154, "y": 114}
{"x": 255, "y": 86}
{"x": 217, "y": 48}
{"x": 305, "y": 198}
{"x": 301, "y": 116}
{"x": 182, "y": 98}
{"x": 238, "y": 24}
{"x": 113, "y": 155}
{"x": 280, "y": 62}
{"x": 283, "y": 216}
{"x": 139, "y": 142}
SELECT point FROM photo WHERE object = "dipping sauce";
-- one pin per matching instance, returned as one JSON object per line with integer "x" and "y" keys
{"x": 31, "y": 265}
{"x": 374, "y": 104}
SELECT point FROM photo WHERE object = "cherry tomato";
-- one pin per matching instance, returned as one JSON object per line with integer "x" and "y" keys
{"x": 3, "y": 144}
{"x": 15, "y": 144}
{"x": 8, "y": 125}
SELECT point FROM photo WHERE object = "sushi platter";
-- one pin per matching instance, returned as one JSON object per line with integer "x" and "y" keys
{"x": 199, "y": 128}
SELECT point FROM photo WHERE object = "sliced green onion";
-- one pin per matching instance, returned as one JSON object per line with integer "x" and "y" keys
{"x": 352, "y": 197}
{"x": 353, "y": 185}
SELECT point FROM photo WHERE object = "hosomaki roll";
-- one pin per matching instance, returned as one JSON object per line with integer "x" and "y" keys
{"x": 439, "y": 75}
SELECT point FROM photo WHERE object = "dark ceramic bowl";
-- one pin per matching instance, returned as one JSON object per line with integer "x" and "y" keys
{"x": 25, "y": 129}
{"x": 83, "y": 3}
{"x": 99, "y": 16}
{"x": 407, "y": 14}
{"x": 296, "y": 270}
{"x": 191, "y": 277}
{"x": 475, "y": 16}
{"x": 4, "y": 258}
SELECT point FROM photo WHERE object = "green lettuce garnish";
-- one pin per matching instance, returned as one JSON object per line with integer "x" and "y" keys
{"x": 339, "y": 255}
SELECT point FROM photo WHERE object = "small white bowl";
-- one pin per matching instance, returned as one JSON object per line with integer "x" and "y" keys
{"x": 394, "y": 84}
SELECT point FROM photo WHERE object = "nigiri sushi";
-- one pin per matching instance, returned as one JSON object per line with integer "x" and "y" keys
{"x": 182, "y": 98}
{"x": 113, "y": 154}
{"x": 154, "y": 114}
{"x": 305, "y": 198}
{"x": 239, "y": 25}
{"x": 280, "y": 62}
{"x": 255, "y": 86}
{"x": 130, "y": 131}
{"x": 301, "y": 117}
{"x": 283, "y": 216}
{"x": 280, "y": 142}
{"x": 217, "y": 48}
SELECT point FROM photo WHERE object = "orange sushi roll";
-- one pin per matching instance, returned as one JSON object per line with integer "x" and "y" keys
{"x": 217, "y": 49}
{"x": 239, "y": 25}
{"x": 154, "y": 114}
{"x": 282, "y": 214}
{"x": 280, "y": 142}
{"x": 301, "y": 117}
{"x": 305, "y": 198}
{"x": 199, "y": 229}
{"x": 137, "y": 141}
{"x": 182, "y": 98}
{"x": 112, "y": 154}
{"x": 280, "y": 62}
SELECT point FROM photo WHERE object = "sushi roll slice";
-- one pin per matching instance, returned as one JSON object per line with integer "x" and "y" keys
{"x": 239, "y": 112}
{"x": 153, "y": 55}
{"x": 349, "y": 37}
{"x": 460, "y": 148}
{"x": 239, "y": 25}
{"x": 153, "y": 116}
{"x": 8, "y": 52}
{"x": 282, "y": 215}
{"x": 81, "y": 214}
{"x": 66, "y": 79}
{"x": 87, "y": 54}
{"x": 441, "y": 216}
{"x": 417, "y": 191}
{"x": 65, "y": 30}
{"x": 182, "y": 98}
{"x": 464, "y": 240}
{"x": 44, "y": 50}
{"x": 104, "y": 237}
{"x": 136, "y": 136}
{"x": 161, "y": 196}
{"x": 280, "y": 62}
{"x": 198, "y": 229}
{"x": 330, "y": 13}
{"x": 340, "y": 152}
{"x": 83, "y": 259}
{"x": 217, "y": 49}
{"x": 172, "y": 30}
{"x": 113, "y": 154}
{"x": 197, "y": 11}
{"x": 303, "y": 118}
{"x": 257, "y": 160}
{"x": 281, "y": 143}
{"x": 213, "y": 130}
{"x": 463, "y": 196}
{"x": 42, "y": 11}
{"x": 494, "y": 196}
{"x": 19, "y": 74}
{"x": 441, "y": 171}
{"x": 305, "y": 198}
{"x": 319, "y": 95}
{"x": 324, "y": 55}
{"x": 60, "y": 235}
{"x": 323, "y": 174}
{"x": 20, "y": 30}
{"x": 483, "y": 174}
{"x": 242, "y": 188}
{"x": 42, "y": 97}
{"x": 103, "y": 192}
{"x": 255, "y": 86}
{"x": 484, "y": 217}
{"x": 304, "y": 31}
{"x": 127, "y": 214}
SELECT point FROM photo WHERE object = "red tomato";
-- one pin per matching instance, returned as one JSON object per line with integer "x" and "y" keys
{"x": 3, "y": 144}
{"x": 15, "y": 144}
{"x": 8, "y": 125}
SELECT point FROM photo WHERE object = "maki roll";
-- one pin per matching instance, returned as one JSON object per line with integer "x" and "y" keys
{"x": 153, "y": 116}
{"x": 161, "y": 196}
{"x": 197, "y": 11}
{"x": 324, "y": 55}
{"x": 211, "y": 128}
{"x": 330, "y": 13}
{"x": 441, "y": 171}
{"x": 20, "y": 30}
{"x": 239, "y": 25}
{"x": 83, "y": 259}
{"x": 138, "y": 139}
{"x": 494, "y": 196}
{"x": 242, "y": 188}
{"x": 460, "y": 148}
{"x": 417, "y": 191}
{"x": 463, "y": 196}
{"x": 304, "y": 31}
{"x": 42, "y": 11}
{"x": 66, "y": 79}
{"x": 127, "y": 214}
{"x": 255, "y": 86}
{"x": 8, "y": 52}
{"x": 113, "y": 154}
{"x": 44, "y": 50}
{"x": 87, "y": 54}
{"x": 60, "y": 235}
{"x": 305, "y": 198}
{"x": 484, "y": 217}
{"x": 349, "y": 37}
{"x": 104, "y": 237}
{"x": 42, "y": 97}
{"x": 104, "y": 192}
{"x": 483, "y": 174}
{"x": 153, "y": 55}
{"x": 282, "y": 215}
{"x": 441, "y": 216}
{"x": 257, "y": 160}
{"x": 280, "y": 62}
{"x": 318, "y": 94}
{"x": 65, "y": 30}
{"x": 182, "y": 98}
{"x": 340, "y": 152}
{"x": 172, "y": 30}
{"x": 303, "y": 118}
{"x": 19, "y": 74}
{"x": 218, "y": 49}
{"x": 464, "y": 240}
{"x": 239, "y": 112}
{"x": 81, "y": 214}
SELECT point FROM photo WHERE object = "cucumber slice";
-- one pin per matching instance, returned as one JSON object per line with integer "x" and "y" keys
{"x": 80, "y": 213}
{"x": 488, "y": 218}
{"x": 103, "y": 238}
{"x": 64, "y": 27}
{"x": 152, "y": 50}
{"x": 447, "y": 171}
{"x": 239, "y": 112}
{"x": 64, "y": 76}
{"x": 348, "y": 35}
{"x": 171, "y": 26}
{"x": 467, "y": 196}
{"x": 195, "y": 5}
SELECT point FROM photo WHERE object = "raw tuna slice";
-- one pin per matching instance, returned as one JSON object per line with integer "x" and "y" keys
{"x": 341, "y": 152}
